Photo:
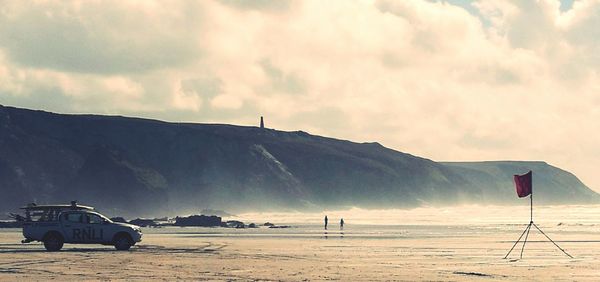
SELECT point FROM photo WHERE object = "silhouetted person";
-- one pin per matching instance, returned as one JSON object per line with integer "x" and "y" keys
{"x": 342, "y": 224}
{"x": 326, "y": 222}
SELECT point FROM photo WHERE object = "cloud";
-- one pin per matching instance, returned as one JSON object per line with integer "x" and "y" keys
{"x": 282, "y": 82}
{"x": 472, "y": 81}
{"x": 100, "y": 36}
{"x": 262, "y": 5}
{"x": 229, "y": 102}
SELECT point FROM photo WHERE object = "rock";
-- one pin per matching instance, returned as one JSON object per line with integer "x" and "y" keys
{"x": 235, "y": 224}
{"x": 11, "y": 224}
{"x": 252, "y": 225}
{"x": 143, "y": 222}
{"x": 268, "y": 224}
{"x": 198, "y": 220}
{"x": 118, "y": 219}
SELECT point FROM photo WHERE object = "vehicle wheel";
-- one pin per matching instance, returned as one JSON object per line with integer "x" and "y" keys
{"x": 53, "y": 242}
{"x": 123, "y": 242}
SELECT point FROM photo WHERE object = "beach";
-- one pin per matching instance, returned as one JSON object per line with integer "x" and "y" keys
{"x": 405, "y": 252}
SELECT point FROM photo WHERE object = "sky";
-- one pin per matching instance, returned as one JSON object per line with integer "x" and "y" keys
{"x": 446, "y": 80}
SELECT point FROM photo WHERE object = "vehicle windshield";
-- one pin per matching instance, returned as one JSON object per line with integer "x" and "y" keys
{"x": 104, "y": 218}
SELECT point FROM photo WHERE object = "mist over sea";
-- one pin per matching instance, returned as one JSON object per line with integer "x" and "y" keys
{"x": 468, "y": 226}
{"x": 459, "y": 215}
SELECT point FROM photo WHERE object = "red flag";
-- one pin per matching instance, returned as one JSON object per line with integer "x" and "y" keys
{"x": 524, "y": 184}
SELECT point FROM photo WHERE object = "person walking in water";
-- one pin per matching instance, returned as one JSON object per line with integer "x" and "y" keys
{"x": 342, "y": 224}
{"x": 326, "y": 222}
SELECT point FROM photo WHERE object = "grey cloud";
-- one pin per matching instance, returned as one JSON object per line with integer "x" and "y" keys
{"x": 48, "y": 98}
{"x": 388, "y": 7}
{"x": 424, "y": 38}
{"x": 103, "y": 39}
{"x": 329, "y": 121}
{"x": 391, "y": 60}
{"x": 248, "y": 112}
{"x": 586, "y": 36}
{"x": 470, "y": 140}
{"x": 327, "y": 117}
{"x": 523, "y": 34}
{"x": 205, "y": 87}
{"x": 276, "y": 5}
{"x": 491, "y": 74}
{"x": 531, "y": 26}
{"x": 283, "y": 82}
{"x": 506, "y": 76}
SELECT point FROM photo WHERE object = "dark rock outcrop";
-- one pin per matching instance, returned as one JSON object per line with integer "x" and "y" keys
{"x": 118, "y": 219}
{"x": 11, "y": 224}
{"x": 198, "y": 220}
{"x": 143, "y": 222}
{"x": 233, "y": 224}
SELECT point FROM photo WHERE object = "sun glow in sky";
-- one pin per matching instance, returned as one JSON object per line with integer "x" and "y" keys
{"x": 446, "y": 80}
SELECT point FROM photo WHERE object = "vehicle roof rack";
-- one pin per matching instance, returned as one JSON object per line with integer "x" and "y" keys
{"x": 72, "y": 206}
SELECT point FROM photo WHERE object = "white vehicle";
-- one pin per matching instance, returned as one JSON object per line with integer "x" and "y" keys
{"x": 55, "y": 225}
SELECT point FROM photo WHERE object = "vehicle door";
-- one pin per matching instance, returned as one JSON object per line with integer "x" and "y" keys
{"x": 96, "y": 226}
{"x": 73, "y": 226}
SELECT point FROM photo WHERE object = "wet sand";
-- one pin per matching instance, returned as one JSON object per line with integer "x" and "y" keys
{"x": 403, "y": 253}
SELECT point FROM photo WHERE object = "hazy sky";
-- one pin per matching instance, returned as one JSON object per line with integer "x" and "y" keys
{"x": 455, "y": 80}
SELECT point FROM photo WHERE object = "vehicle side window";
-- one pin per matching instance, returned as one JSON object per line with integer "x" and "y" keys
{"x": 73, "y": 217}
{"x": 94, "y": 219}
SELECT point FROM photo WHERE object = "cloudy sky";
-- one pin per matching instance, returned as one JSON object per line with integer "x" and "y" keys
{"x": 446, "y": 80}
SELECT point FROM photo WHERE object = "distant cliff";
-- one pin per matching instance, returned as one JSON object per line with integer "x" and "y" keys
{"x": 133, "y": 166}
{"x": 552, "y": 185}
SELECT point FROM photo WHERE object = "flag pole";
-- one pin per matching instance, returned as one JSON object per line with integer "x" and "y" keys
{"x": 531, "y": 206}
{"x": 519, "y": 184}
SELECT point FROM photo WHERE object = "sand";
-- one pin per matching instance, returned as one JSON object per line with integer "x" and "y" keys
{"x": 362, "y": 253}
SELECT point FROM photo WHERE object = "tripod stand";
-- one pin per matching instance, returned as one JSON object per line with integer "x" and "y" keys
{"x": 528, "y": 228}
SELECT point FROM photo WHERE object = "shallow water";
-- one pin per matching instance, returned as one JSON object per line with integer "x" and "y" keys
{"x": 420, "y": 223}
{"x": 460, "y": 215}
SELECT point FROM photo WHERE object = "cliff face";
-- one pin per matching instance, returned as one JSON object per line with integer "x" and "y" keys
{"x": 550, "y": 184}
{"x": 135, "y": 166}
